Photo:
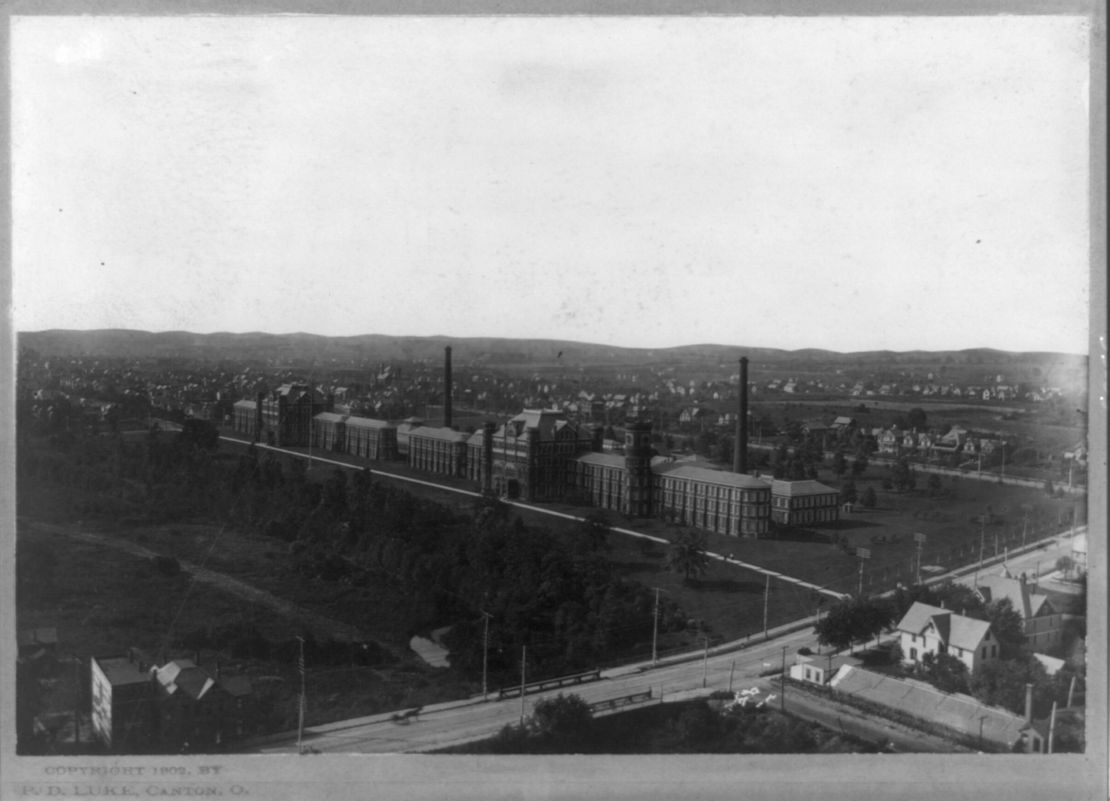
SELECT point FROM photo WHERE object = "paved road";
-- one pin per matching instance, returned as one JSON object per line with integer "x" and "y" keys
{"x": 450, "y": 724}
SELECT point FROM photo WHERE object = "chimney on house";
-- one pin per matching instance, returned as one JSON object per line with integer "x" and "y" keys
{"x": 447, "y": 387}
{"x": 740, "y": 447}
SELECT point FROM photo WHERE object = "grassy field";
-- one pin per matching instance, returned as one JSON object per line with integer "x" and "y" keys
{"x": 103, "y": 601}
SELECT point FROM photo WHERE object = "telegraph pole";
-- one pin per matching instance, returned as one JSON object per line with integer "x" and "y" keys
{"x": 523, "y": 662}
{"x": 300, "y": 706}
{"x": 766, "y": 603}
{"x": 655, "y": 631}
{"x": 982, "y": 531}
{"x": 863, "y": 554}
{"x": 782, "y": 692}
{"x": 485, "y": 656}
{"x": 705, "y": 662}
{"x": 919, "y": 538}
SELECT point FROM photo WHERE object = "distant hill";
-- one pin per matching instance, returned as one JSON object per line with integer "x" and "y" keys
{"x": 301, "y": 348}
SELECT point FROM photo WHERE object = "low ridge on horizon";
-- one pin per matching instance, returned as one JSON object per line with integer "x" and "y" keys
{"x": 132, "y": 333}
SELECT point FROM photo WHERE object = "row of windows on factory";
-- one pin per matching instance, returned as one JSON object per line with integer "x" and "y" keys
{"x": 804, "y": 501}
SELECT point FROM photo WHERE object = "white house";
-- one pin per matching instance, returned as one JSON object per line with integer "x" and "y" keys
{"x": 926, "y": 629}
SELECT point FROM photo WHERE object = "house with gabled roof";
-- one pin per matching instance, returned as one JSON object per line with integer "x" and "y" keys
{"x": 926, "y": 629}
{"x": 1042, "y": 623}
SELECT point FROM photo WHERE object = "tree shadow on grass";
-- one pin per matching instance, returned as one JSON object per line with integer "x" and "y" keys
{"x": 640, "y": 567}
{"x": 726, "y": 585}
{"x": 845, "y": 525}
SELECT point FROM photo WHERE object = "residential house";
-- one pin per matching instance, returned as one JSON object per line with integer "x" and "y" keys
{"x": 1042, "y": 623}
{"x": 926, "y": 629}
{"x": 198, "y": 711}
{"x": 890, "y": 441}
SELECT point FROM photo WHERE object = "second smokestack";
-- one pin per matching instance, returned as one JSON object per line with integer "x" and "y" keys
{"x": 740, "y": 451}
{"x": 447, "y": 387}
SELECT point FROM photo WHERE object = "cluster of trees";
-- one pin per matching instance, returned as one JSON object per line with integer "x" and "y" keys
{"x": 551, "y": 591}
{"x": 564, "y": 724}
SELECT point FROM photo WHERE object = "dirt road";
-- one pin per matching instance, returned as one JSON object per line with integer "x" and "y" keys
{"x": 323, "y": 627}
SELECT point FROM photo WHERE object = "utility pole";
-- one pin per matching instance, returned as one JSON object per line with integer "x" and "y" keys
{"x": 523, "y": 662}
{"x": 300, "y": 706}
{"x": 732, "y": 670}
{"x": 655, "y": 631}
{"x": 1051, "y": 727}
{"x": 862, "y": 554}
{"x": 1071, "y": 689}
{"x": 982, "y": 533}
{"x": 485, "y": 656}
{"x": 705, "y": 662}
{"x": 782, "y": 692}
{"x": 77, "y": 697}
{"x": 919, "y": 538}
{"x": 766, "y": 603}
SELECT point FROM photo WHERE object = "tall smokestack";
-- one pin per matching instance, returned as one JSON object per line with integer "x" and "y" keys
{"x": 740, "y": 451}
{"x": 447, "y": 387}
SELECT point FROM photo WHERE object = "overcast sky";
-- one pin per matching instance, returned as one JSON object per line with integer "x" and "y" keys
{"x": 845, "y": 183}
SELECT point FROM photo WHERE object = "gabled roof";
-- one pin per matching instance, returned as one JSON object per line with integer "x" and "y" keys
{"x": 956, "y": 631}
{"x": 1025, "y": 602}
{"x": 183, "y": 676}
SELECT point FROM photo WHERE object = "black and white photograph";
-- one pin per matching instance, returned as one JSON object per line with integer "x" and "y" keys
{"x": 565, "y": 402}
